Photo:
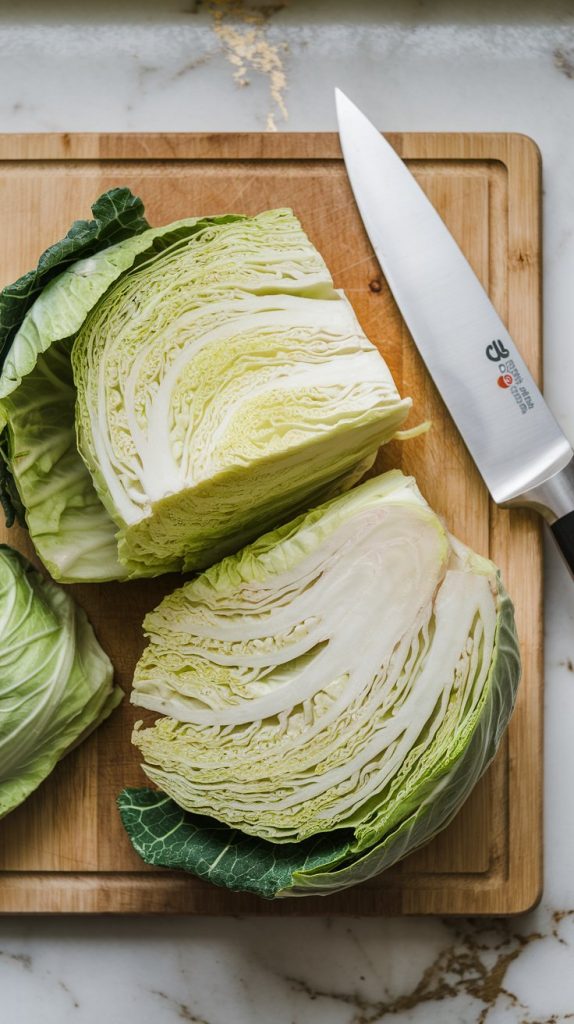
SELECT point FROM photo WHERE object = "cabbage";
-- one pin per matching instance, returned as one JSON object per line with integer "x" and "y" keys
{"x": 168, "y": 397}
{"x": 55, "y": 680}
{"x": 333, "y": 693}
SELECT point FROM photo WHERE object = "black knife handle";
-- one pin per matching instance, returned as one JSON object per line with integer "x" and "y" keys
{"x": 553, "y": 498}
{"x": 563, "y": 530}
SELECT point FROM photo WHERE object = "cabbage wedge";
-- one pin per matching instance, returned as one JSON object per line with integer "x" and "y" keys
{"x": 332, "y": 693}
{"x": 55, "y": 680}
{"x": 174, "y": 393}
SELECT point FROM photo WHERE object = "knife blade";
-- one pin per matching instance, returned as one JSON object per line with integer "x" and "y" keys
{"x": 520, "y": 451}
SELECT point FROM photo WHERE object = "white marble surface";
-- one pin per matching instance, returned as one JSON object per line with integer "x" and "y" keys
{"x": 222, "y": 65}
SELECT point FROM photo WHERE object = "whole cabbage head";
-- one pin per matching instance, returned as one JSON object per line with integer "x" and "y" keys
{"x": 332, "y": 692}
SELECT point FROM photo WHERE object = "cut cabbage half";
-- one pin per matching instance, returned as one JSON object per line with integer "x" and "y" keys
{"x": 332, "y": 694}
{"x": 169, "y": 397}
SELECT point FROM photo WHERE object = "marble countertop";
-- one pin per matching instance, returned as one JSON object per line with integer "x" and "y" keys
{"x": 224, "y": 65}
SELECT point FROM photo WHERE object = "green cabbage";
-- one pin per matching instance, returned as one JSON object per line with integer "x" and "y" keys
{"x": 168, "y": 397}
{"x": 334, "y": 691}
{"x": 55, "y": 680}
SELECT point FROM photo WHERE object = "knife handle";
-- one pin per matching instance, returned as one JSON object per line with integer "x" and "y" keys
{"x": 554, "y": 500}
{"x": 563, "y": 530}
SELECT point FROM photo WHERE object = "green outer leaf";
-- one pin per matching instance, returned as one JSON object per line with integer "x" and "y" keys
{"x": 117, "y": 215}
{"x": 10, "y": 501}
{"x": 71, "y": 530}
{"x": 163, "y": 834}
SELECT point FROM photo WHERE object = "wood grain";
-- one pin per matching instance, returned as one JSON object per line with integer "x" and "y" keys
{"x": 65, "y": 849}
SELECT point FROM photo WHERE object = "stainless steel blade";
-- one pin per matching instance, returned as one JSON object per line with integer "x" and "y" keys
{"x": 488, "y": 390}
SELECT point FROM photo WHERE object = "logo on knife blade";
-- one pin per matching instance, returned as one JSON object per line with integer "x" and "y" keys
{"x": 511, "y": 378}
{"x": 496, "y": 351}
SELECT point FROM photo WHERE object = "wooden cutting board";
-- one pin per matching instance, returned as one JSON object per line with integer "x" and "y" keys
{"x": 65, "y": 849}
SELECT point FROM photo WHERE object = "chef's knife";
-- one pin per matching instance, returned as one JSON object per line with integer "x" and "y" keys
{"x": 519, "y": 449}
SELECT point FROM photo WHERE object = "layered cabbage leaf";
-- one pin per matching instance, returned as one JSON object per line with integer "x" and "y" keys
{"x": 332, "y": 693}
{"x": 55, "y": 679}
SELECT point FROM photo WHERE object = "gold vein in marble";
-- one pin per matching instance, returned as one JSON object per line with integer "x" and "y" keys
{"x": 240, "y": 26}
{"x": 473, "y": 964}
